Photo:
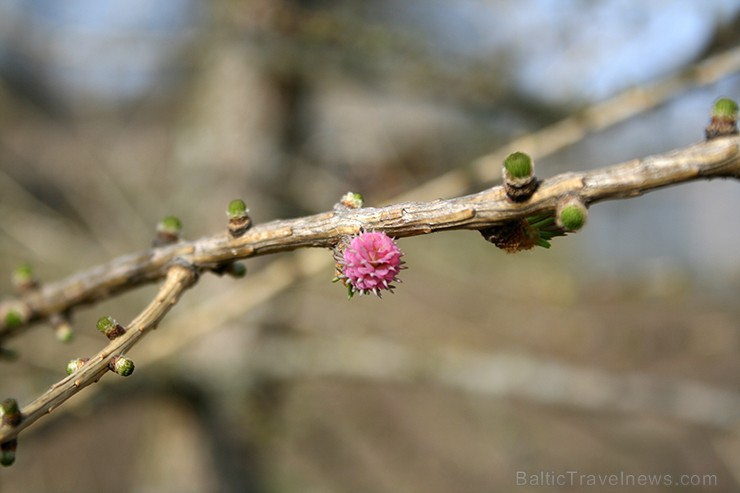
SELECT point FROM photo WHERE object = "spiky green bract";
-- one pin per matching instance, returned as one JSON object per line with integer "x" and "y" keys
{"x": 519, "y": 165}
{"x": 543, "y": 229}
{"x": 524, "y": 234}
{"x": 237, "y": 208}
{"x": 725, "y": 108}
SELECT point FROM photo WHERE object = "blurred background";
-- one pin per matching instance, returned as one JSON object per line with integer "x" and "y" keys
{"x": 614, "y": 352}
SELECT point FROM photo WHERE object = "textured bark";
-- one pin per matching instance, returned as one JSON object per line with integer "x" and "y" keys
{"x": 719, "y": 158}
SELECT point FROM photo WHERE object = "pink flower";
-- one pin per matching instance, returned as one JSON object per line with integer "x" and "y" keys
{"x": 368, "y": 263}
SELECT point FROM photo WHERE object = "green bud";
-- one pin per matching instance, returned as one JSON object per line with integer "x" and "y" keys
{"x": 725, "y": 108}
{"x": 10, "y": 412}
{"x": 8, "y": 406}
{"x": 13, "y": 318}
{"x": 122, "y": 366}
{"x": 168, "y": 231}
{"x": 106, "y": 323}
{"x": 237, "y": 208}
{"x": 519, "y": 180}
{"x": 170, "y": 225}
{"x": 23, "y": 271}
{"x": 7, "y": 452}
{"x": 7, "y": 458}
{"x": 571, "y": 214}
{"x": 519, "y": 165}
{"x": 108, "y": 326}
{"x": 237, "y": 270}
{"x": 239, "y": 220}
{"x": 352, "y": 200}
{"x": 724, "y": 119}
{"x": 62, "y": 328}
{"x": 75, "y": 364}
{"x": 23, "y": 278}
{"x": 65, "y": 334}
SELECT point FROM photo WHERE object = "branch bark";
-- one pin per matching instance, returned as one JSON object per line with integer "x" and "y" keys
{"x": 719, "y": 158}
{"x": 179, "y": 277}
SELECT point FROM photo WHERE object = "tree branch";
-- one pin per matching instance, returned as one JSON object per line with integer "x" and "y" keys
{"x": 718, "y": 158}
{"x": 179, "y": 277}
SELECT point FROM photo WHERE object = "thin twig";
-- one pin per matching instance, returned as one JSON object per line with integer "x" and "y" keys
{"x": 179, "y": 277}
{"x": 719, "y": 158}
{"x": 595, "y": 118}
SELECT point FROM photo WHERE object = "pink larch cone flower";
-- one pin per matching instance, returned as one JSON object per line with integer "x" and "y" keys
{"x": 369, "y": 263}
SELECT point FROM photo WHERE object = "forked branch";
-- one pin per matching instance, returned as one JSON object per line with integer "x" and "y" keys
{"x": 717, "y": 158}
{"x": 179, "y": 277}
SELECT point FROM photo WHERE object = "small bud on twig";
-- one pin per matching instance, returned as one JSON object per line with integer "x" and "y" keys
{"x": 350, "y": 200}
{"x": 76, "y": 364}
{"x": 571, "y": 214}
{"x": 519, "y": 180}
{"x": 724, "y": 119}
{"x": 236, "y": 270}
{"x": 108, "y": 326}
{"x": 239, "y": 220}
{"x": 121, "y": 365}
{"x": 10, "y": 412}
{"x": 7, "y": 452}
{"x": 23, "y": 280}
{"x": 16, "y": 315}
{"x": 168, "y": 231}
{"x": 64, "y": 332}
{"x": 13, "y": 318}
{"x": 62, "y": 327}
